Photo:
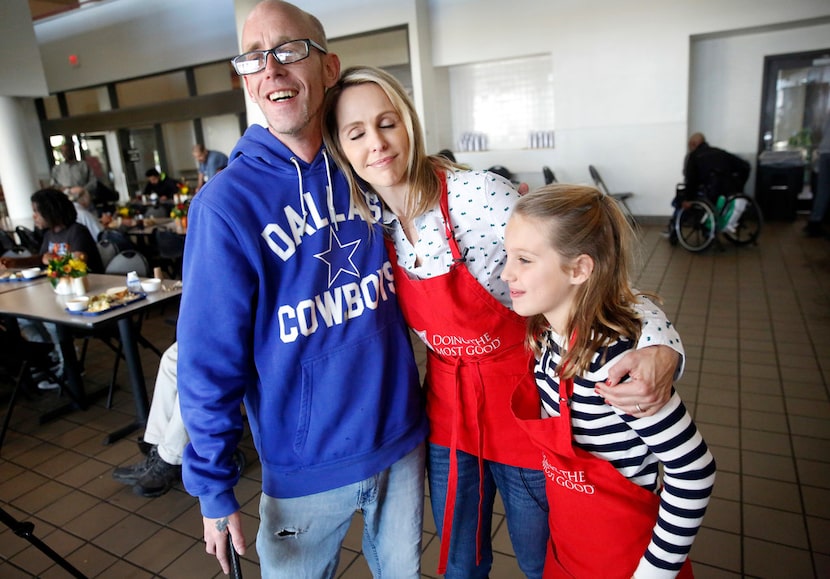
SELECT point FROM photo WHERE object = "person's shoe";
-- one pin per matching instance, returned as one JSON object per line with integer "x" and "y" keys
{"x": 47, "y": 385}
{"x": 130, "y": 475}
{"x": 158, "y": 479}
{"x": 144, "y": 446}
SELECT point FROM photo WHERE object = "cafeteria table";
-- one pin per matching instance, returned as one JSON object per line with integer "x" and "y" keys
{"x": 38, "y": 301}
{"x": 7, "y": 285}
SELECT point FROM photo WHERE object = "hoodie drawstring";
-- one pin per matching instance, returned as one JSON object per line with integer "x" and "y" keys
{"x": 329, "y": 192}
{"x": 300, "y": 178}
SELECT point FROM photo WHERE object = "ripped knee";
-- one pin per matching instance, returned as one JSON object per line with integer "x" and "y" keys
{"x": 287, "y": 533}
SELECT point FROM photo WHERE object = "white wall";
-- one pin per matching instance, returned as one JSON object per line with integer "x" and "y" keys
{"x": 726, "y": 76}
{"x": 621, "y": 76}
{"x": 130, "y": 38}
{"x": 18, "y": 46}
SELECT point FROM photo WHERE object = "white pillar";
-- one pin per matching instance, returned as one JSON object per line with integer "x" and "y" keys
{"x": 17, "y": 173}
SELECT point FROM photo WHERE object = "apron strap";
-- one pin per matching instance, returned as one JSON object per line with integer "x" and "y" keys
{"x": 452, "y": 482}
{"x": 445, "y": 211}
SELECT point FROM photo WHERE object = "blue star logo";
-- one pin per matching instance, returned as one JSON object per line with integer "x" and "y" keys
{"x": 339, "y": 257}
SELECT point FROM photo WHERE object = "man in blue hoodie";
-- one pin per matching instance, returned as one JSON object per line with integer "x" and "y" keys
{"x": 289, "y": 305}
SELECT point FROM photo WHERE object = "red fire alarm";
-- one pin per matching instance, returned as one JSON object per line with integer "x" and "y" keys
{"x": 73, "y": 60}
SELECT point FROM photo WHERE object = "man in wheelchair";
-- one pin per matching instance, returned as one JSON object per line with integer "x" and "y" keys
{"x": 710, "y": 173}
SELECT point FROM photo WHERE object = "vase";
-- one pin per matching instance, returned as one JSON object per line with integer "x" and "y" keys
{"x": 63, "y": 286}
{"x": 80, "y": 285}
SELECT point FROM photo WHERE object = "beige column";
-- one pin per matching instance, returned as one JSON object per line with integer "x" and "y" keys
{"x": 17, "y": 172}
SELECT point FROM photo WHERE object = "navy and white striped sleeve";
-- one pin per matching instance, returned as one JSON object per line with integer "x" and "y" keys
{"x": 688, "y": 478}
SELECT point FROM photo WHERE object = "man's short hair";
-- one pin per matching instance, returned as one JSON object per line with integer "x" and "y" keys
{"x": 152, "y": 173}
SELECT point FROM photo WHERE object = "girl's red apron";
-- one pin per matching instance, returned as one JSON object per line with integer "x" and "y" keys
{"x": 475, "y": 358}
{"x": 600, "y": 522}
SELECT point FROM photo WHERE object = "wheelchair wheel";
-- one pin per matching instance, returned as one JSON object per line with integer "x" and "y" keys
{"x": 695, "y": 226}
{"x": 747, "y": 226}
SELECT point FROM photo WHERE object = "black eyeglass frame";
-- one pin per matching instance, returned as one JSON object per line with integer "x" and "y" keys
{"x": 273, "y": 51}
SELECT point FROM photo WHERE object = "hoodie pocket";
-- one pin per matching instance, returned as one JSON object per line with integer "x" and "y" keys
{"x": 357, "y": 398}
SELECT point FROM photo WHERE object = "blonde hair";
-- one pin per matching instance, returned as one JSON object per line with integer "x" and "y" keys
{"x": 422, "y": 169}
{"x": 581, "y": 220}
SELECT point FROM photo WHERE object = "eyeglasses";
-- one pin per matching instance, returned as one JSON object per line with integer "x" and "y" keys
{"x": 286, "y": 53}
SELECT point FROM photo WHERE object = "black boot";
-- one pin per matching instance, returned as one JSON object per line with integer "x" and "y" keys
{"x": 129, "y": 475}
{"x": 158, "y": 479}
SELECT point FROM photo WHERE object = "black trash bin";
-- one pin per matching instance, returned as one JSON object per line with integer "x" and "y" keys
{"x": 780, "y": 180}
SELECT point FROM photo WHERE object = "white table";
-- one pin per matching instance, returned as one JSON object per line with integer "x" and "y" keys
{"x": 38, "y": 301}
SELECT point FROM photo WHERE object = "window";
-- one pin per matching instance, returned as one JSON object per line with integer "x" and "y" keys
{"x": 504, "y": 100}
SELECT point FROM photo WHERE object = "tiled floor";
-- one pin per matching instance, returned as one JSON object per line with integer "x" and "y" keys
{"x": 756, "y": 324}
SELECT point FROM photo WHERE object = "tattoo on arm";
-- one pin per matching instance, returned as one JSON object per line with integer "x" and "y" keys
{"x": 222, "y": 524}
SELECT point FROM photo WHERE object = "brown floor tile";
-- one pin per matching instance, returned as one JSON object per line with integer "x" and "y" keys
{"x": 765, "y": 559}
{"x": 756, "y": 379}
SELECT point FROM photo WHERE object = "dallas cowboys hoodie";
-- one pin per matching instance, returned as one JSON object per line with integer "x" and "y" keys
{"x": 289, "y": 304}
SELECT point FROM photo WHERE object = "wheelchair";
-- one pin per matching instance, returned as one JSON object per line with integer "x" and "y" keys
{"x": 699, "y": 222}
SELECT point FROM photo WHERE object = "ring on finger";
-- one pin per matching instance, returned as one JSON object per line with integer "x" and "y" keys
{"x": 637, "y": 406}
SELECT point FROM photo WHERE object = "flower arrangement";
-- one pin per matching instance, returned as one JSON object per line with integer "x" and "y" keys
{"x": 65, "y": 266}
{"x": 179, "y": 211}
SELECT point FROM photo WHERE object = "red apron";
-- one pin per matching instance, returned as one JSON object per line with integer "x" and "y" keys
{"x": 600, "y": 522}
{"x": 475, "y": 358}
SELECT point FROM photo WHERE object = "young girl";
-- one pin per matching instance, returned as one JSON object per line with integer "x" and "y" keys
{"x": 567, "y": 269}
{"x": 446, "y": 244}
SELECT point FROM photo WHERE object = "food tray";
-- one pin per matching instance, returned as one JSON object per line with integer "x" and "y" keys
{"x": 13, "y": 279}
{"x": 139, "y": 296}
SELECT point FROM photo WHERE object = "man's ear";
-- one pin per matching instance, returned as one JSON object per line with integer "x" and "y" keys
{"x": 331, "y": 69}
{"x": 581, "y": 269}
{"x": 248, "y": 90}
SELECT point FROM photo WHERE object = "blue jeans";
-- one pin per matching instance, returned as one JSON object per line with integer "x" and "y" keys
{"x": 523, "y": 493}
{"x": 301, "y": 537}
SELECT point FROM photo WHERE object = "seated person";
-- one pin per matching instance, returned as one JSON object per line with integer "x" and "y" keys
{"x": 56, "y": 215}
{"x": 165, "y": 434}
{"x": 161, "y": 185}
{"x": 708, "y": 172}
{"x": 85, "y": 216}
{"x": 711, "y": 171}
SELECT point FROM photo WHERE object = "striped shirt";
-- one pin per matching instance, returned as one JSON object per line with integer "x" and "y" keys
{"x": 636, "y": 447}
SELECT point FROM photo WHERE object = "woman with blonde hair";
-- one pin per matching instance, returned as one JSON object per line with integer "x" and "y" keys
{"x": 445, "y": 236}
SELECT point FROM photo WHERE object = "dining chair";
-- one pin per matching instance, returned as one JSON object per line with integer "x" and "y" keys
{"x": 501, "y": 170}
{"x": 547, "y": 172}
{"x": 107, "y": 250}
{"x": 618, "y": 197}
{"x": 29, "y": 239}
{"x": 22, "y": 359}
{"x": 129, "y": 260}
{"x": 170, "y": 248}
{"x": 9, "y": 246}
{"x": 118, "y": 238}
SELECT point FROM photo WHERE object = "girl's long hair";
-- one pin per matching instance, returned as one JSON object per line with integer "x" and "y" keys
{"x": 582, "y": 220}
{"x": 422, "y": 169}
